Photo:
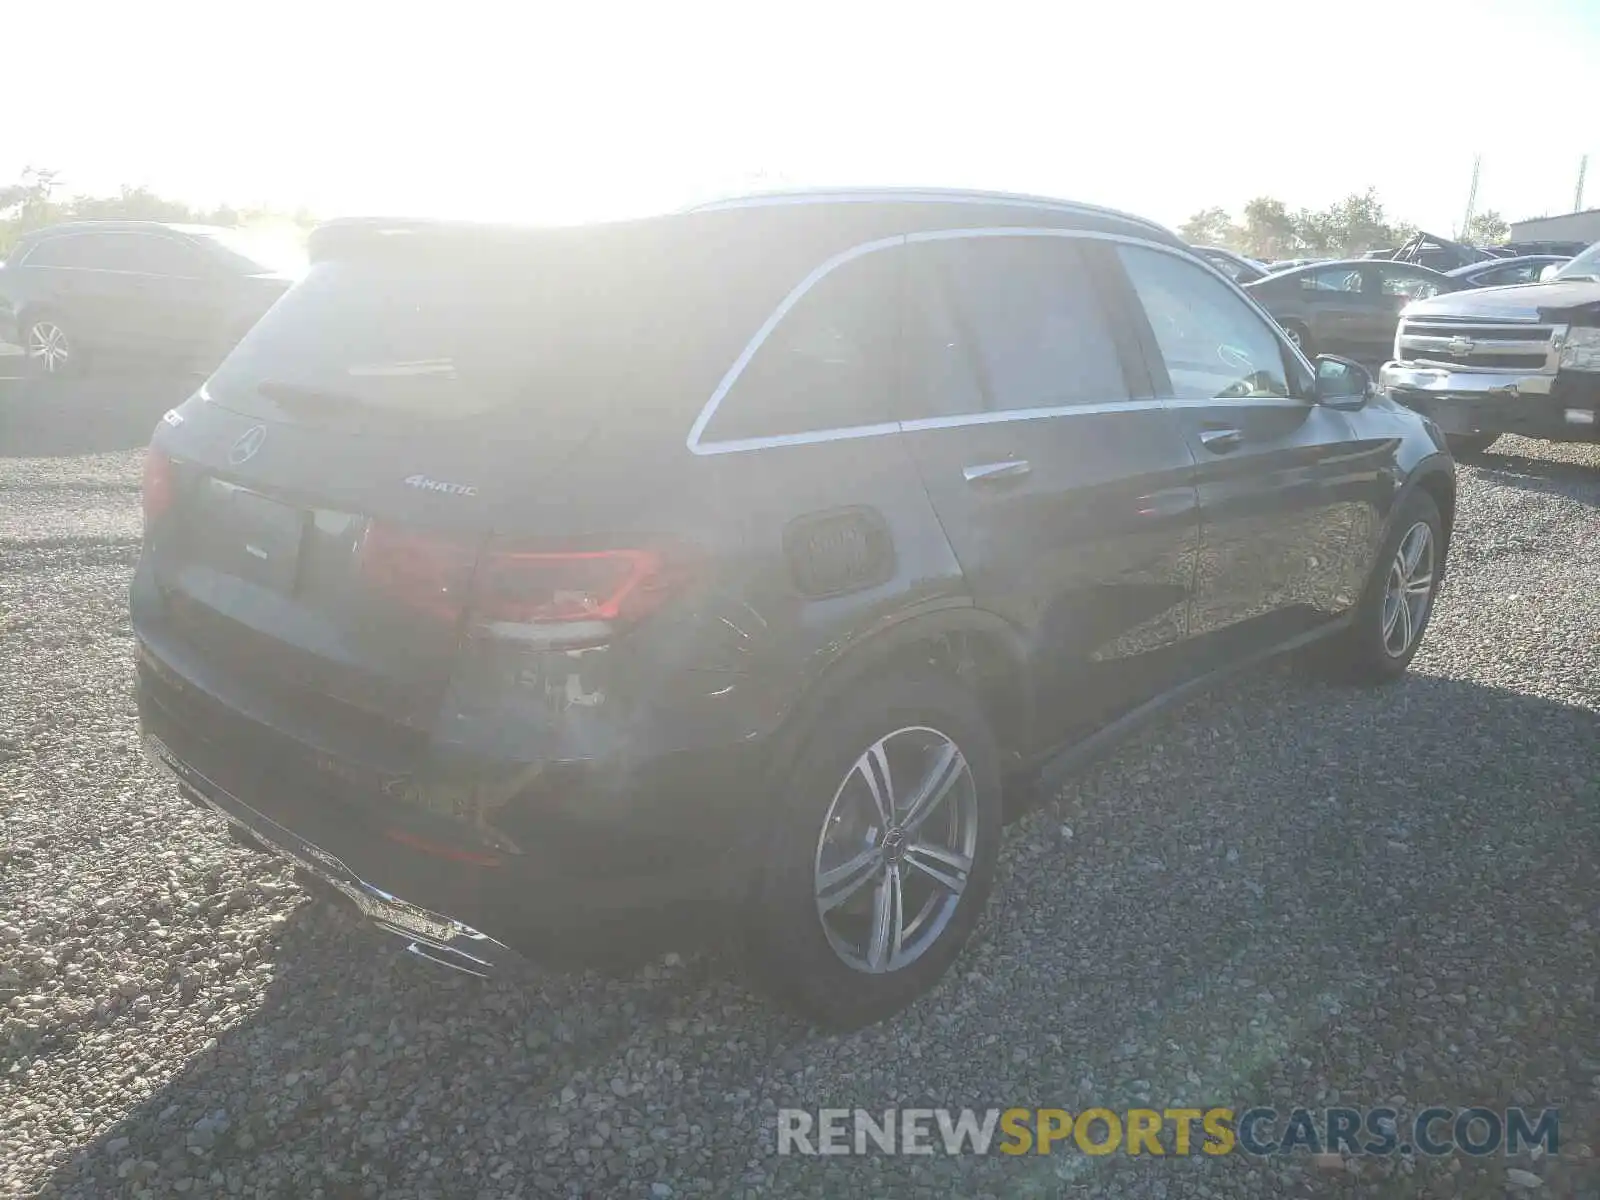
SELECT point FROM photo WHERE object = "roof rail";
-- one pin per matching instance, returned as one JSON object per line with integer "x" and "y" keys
{"x": 845, "y": 195}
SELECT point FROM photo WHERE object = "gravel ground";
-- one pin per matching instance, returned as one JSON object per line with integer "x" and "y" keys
{"x": 1287, "y": 894}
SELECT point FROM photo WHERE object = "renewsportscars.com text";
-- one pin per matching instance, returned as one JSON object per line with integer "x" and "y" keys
{"x": 1177, "y": 1131}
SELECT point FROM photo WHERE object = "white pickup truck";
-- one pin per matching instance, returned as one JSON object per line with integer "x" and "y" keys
{"x": 1522, "y": 359}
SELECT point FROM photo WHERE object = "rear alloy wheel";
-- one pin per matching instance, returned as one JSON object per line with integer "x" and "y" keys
{"x": 1387, "y": 627}
{"x": 894, "y": 855}
{"x": 49, "y": 350}
{"x": 882, "y": 855}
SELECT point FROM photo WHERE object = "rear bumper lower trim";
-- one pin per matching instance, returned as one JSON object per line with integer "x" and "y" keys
{"x": 438, "y": 938}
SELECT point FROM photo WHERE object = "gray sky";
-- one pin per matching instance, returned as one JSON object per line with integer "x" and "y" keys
{"x": 562, "y": 111}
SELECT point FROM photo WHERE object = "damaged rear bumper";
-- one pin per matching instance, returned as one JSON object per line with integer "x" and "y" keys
{"x": 434, "y": 936}
{"x": 610, "y": 866}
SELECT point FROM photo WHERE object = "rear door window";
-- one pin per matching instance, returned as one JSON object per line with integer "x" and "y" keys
{"x": 1214, "y": 345}
{"x": 68, "y": 250}
{"x": 1002, "y": 324}
{"x": 1408, "y": 285}
{"x": 829, "y": 363}
{"x": 1522, "y": 273}
{"x": 1333, "y": 279}
{"x": 154, "y": 254}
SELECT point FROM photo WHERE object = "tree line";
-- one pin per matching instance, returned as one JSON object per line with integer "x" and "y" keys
{"x": 1269, "y": 231}
{"x": 35, "y": 200}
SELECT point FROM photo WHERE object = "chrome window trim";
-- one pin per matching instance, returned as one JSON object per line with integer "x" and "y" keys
{"x": 1008, "y": 415}
{"x": 112, "y": 271}
{"x": 731, "y": 376}
{"x": 708, "y": 411}
{"x": 27, "y": 259}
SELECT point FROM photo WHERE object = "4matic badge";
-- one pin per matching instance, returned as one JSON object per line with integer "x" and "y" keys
{"x": 424, "y": 484}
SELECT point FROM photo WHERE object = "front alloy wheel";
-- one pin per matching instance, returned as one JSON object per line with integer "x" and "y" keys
{"x": 1408, "y": 590}
{"x": 48, "y": 349}
{"x": 1384, "y": 631}
{"x": 896, "y": 850}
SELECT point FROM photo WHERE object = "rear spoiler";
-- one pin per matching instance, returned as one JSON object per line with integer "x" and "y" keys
{"x": 367, "y": 237}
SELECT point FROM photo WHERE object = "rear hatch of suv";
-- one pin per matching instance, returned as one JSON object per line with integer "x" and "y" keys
{"x": 329, "y": 503}
{"x": 442, "y": 441}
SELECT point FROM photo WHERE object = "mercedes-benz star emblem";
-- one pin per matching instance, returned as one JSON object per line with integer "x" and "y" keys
{"x": 247, "y": 446}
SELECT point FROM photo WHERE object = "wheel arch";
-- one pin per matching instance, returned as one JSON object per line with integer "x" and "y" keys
{"x": 1436, "y": 476}
{"x": 975, "y": 647}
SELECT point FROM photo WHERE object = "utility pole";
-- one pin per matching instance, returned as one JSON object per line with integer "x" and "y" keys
{"x": 1583, "y": 169}
{"x": 1472, "y": 196}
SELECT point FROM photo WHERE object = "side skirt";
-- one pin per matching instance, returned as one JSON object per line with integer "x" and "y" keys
{"x": 1055, "y": 767}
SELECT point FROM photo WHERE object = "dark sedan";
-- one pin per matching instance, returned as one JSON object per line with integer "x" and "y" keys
{"x": 1348, "y": 306}
{"x": 1237, "y": 267}
{"x": 1502, "y": 272}
{"x": 79, "y": 292}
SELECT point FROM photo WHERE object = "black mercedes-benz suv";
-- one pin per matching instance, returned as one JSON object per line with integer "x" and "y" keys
{"x": 579, "y": 591}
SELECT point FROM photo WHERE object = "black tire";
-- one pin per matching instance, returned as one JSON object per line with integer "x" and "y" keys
{"x": 41, "y": 328}
{"x": 1470, "y": 445}
{"x": 791, "y": 953}
{"x": 1300, "y": 336}
{"x": 1364, "y": 653}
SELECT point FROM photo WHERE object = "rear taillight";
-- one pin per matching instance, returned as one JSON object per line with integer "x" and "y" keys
{"x": 156, "y": 496}
{"x": 569, "y": 597}
{"x": 543, "y": 587}
{"x": 517, "y": 592}
{"x": 425, "y": 572}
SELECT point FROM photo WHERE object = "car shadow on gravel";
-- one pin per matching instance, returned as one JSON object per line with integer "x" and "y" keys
{"x": 1547, "y": 476}
{"x": 53, "y": 418}
{"x": 1157, "y": 949}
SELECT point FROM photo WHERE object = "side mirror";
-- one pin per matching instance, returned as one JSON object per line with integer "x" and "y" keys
{"x": 1548, "y": 271}
{"x": 1342, "y": 383}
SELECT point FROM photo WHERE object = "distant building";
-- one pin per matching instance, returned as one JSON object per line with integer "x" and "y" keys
{"x": 1569, "y": 227}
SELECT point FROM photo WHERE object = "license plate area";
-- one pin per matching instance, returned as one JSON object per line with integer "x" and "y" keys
{"x": 251, "y": 536}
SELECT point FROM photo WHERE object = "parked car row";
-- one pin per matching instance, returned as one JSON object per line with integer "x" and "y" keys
{"x": 1352, "y": 306}
{"x": 81, "y": 293}
{"x": 1443, "y": 254}
{"x": 1347, "y": 306}
{"x": 596, "y": 589}
{"x": 1502, "y": 344}
{"x": 1523, "y": 358}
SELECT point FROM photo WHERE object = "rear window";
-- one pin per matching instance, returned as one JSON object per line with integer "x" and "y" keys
{"x": 384, "y": 336}
{"x": 548, "y": 330}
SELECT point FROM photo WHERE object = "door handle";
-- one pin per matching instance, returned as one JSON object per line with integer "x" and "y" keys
{"x": 1220, "y": 441}
{"x": 1011, "y": 468}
